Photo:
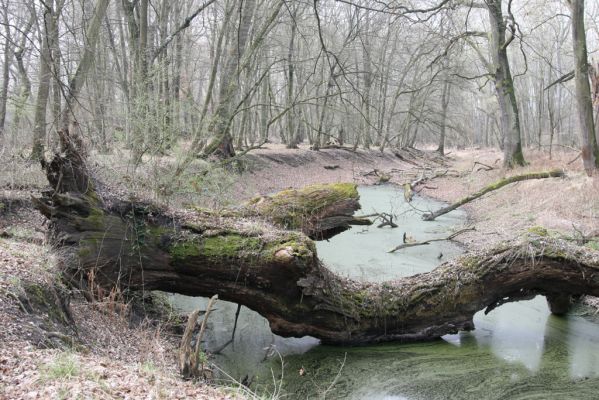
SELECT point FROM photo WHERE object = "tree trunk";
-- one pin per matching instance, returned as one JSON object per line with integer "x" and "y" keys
{"x": 25, "y": 82}
{"x": 5, "y": 70}
{"x": 292, "y": 139}
{"x": 444, "y": 107}
{"x": 504, "y": 86}
{"x": 55, "y": 55}
{"x": 43, "y": 91}
{"x": 78, "y": 79}
{"x": 222, "y": 144}
{"x": 277, "y": 273}
{"x": 584, "y": 100}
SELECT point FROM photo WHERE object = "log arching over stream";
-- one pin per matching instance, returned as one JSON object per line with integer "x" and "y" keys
{"x": 276, "y": 272}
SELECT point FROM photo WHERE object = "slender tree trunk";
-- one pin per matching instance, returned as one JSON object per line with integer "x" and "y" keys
{"x": 292, "y": 139}
{"x": 56, "y": 56}
{"x": 25, "y": 82}
{"x": 5, "y": 70}
{"x": 444, "y": 107}
{"x": 78, "y": 79}
{"x": 43, "y": 91}
{"x": 590, "y": 150}
{"x": 367, "y": 80}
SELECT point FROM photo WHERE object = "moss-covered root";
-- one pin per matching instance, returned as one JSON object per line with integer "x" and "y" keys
{"x": 494, "y": 186}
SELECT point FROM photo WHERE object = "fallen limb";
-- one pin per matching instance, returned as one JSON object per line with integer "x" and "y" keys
{"x": 277, "y": 273}
{"x": 423, "y": 243}
{"x": 489, "y": 188}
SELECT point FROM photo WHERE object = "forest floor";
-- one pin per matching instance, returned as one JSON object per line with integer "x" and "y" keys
{"x": 111, "y": 357}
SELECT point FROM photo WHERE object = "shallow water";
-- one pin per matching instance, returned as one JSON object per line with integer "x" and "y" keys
{"x": 518, "y": 351}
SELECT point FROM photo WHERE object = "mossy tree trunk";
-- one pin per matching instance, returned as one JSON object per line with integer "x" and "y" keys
{"x": 277, "y": 273}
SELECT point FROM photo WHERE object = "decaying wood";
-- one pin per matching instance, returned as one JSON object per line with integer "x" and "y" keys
{"x": 319, "y": 211}
{"x": 185, "y": 349}
{"x": 190, "y": 364}
{"x": 425, "y": 242}
{"x": 277, "y": 272}
{"x": 489, "y": 188}
{"x": 411, "y": 187}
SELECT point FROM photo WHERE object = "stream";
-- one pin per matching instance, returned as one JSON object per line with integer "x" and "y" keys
{"x": 518, "y": 351}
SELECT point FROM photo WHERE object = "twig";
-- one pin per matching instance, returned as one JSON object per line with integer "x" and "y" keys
{"x": 232, "y": 340}
{"x": 577, "y": 157}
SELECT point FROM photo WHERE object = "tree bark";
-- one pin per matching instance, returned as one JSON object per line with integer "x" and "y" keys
{"x": 444, "y": 107}
{"x": 504, "y": 85}
{"x": 78, "y": 79}
{"x": 584, "y": 100}
{"x": 5, "y": 70}
{"x": 222, "y": 144}
{"x": 43, "y": 90}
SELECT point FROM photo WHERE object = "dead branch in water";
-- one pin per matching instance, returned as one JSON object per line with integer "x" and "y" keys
{"x": 425, "y": 242}
{"x": 387, "y": 220}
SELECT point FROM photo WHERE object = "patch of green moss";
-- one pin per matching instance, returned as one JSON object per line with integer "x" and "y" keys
{"x": 43, "y": 299}
{"x": 594, "y": 245}
{"x": 84, "y": 252}
{"x": 95, "y": 219}
{"x": 185, "y": 249}
{"x": 230, "y": 246}
{"x": 538, "y": 230}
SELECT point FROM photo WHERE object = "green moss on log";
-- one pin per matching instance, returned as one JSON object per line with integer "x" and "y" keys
{"x": 230, "y": 246}
{"x": 235, "y": 246}
{"x": 538, "y": 230}
{"x": 290, "y": 208}
{"x": 184, "y": 249}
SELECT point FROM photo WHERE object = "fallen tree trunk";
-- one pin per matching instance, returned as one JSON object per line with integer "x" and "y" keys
{"x": 277, "y": 272}
{"x": 489, "y": 188}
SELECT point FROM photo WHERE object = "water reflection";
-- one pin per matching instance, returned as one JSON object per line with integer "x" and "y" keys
{"x": 515, "y": 332}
